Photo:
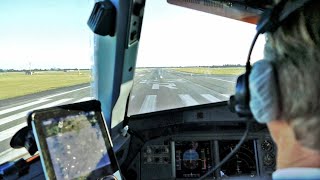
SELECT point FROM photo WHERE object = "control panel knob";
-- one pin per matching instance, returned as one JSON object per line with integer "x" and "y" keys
{"x": 267, "y": 145}
{"x": 268, "y": 159}
{"x": 149, "y": 150}
{"x": 166, "y": 150}
{"x": 149, "y": 159}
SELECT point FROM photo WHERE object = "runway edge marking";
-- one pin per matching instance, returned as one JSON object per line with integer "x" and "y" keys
{"x": 23, "y": 114}
{"x": 59, "y": 94}
{"x": 23, "y": 106}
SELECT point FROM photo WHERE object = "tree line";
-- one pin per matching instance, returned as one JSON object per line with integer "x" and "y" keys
{"x": 36, "y": 70}
{"x": 212, "y": 66}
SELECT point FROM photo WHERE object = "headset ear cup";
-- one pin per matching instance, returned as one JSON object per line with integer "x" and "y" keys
{"x": 264, "y": 101}
{"x": 242, "y": 96}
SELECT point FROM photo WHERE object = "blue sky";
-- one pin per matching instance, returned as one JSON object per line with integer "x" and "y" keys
{"x": 44, "y": 33}
{"x": 54, "y": 34}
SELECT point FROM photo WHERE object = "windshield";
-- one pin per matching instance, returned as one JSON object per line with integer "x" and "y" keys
{"x": 45, "y": 61}
{"x": 187, "y": 58}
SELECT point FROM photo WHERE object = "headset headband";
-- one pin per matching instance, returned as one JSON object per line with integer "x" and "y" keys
{"x": 273, "y": 18}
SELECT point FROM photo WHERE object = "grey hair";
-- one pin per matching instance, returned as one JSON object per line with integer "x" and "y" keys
{"x": 295, "y": 51}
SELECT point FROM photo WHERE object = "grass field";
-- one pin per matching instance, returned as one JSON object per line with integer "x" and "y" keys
{"x": 15, "y": 84}
{"x": 218, "y": 71}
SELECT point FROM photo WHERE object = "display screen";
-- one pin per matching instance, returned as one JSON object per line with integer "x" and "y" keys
{"x": 193, "y": 158}
{"x": 242, "y": 163}
{"x": 75, "y": 144}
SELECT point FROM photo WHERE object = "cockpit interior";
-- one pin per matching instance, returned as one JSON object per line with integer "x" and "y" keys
{"x": 164, "y": 87}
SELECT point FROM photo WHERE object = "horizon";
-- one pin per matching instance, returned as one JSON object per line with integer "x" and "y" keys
{"x": 60, "y": 69}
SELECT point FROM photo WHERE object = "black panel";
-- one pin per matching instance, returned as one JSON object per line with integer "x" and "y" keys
{"x": 155, "y": 160}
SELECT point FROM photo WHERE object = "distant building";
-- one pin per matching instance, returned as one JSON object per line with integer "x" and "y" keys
{"x": 28, "y": 72}
{"x": 68, "y": 70}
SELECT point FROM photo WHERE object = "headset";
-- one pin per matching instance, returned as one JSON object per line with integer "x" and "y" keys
{"x": 257, "y": 90}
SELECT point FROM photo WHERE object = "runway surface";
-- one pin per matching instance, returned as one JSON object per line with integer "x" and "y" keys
{"x": 154, "y": 90}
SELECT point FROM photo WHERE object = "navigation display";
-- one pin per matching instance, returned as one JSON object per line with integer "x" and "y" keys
{"x": 73, "y": 141}
{"x": 76, "y": 145}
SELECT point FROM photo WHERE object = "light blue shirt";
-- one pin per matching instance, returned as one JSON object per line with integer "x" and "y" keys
{"x": 297, "y": 173}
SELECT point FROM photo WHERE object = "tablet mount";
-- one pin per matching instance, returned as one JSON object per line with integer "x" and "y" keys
{"x": 24, "y": 138}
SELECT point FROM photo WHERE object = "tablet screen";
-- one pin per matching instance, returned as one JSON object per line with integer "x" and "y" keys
{"x": 74, "y": 142}
{"x": 76, "y": 145}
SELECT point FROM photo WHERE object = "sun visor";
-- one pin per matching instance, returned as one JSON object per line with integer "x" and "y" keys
{"x": 243, "y": 10}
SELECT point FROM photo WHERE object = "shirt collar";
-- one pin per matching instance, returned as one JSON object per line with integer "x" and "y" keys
{"x": 296, "y": 173}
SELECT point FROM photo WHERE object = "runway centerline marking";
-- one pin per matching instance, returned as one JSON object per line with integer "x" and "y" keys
{"x": 155, "y": 86}
{"x": 167, "y": 85}
{"x": 188, "y": 100}
{"x": 149, "y": 104}
{"x": 23, "y": 106}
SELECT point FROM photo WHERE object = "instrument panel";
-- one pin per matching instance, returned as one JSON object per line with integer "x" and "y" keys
{"x": 194, "y": 158}
{"x": 198, "y": 138}
{"x": 191, "y": 159}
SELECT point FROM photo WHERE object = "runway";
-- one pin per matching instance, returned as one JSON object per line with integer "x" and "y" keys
{"x": 160, "y": 89}
{"x": 155, "y": 89}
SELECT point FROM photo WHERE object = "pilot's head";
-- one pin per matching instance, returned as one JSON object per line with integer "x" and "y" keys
{"x": 294, "y": 52}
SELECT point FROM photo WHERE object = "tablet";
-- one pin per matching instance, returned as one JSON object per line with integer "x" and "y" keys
{"x": 73, "y": 141}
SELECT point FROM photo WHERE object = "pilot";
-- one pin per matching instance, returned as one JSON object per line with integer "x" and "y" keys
{"x": 285, "y": 93}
